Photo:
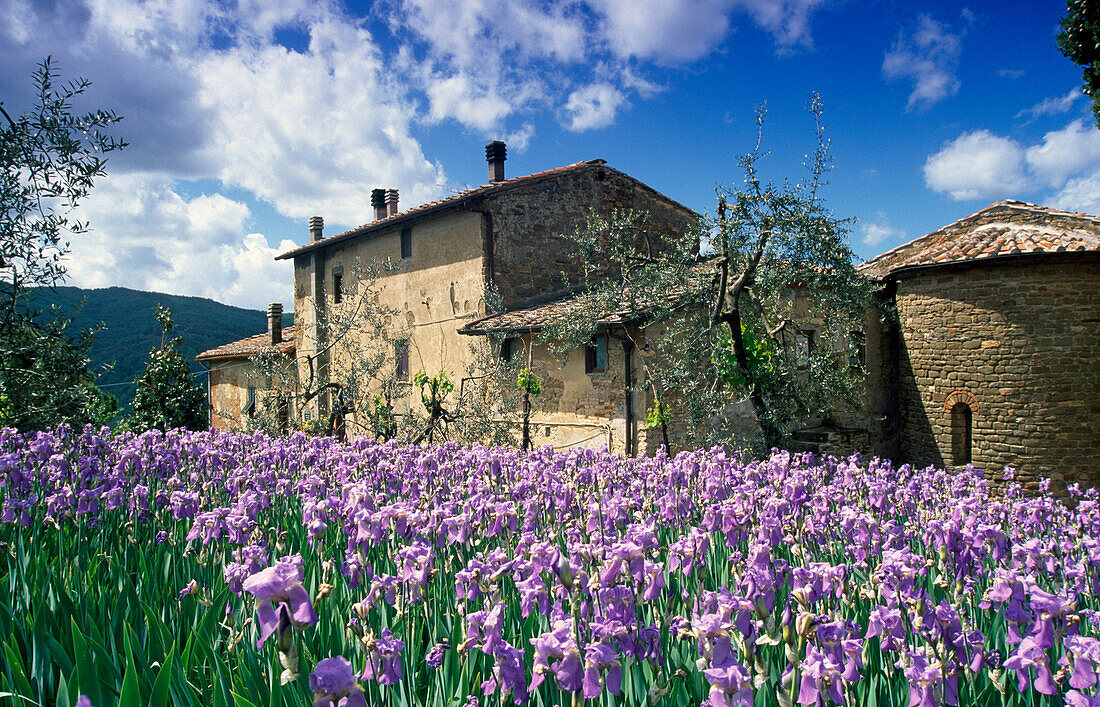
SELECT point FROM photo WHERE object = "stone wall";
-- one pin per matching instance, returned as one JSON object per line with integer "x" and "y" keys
{"x": 230, "y": 380}
{"x": 531, "y": 224}
{"x": 1018, "y": 341}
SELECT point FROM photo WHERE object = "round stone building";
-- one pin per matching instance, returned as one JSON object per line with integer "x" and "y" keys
{"x": 994, "y": 356}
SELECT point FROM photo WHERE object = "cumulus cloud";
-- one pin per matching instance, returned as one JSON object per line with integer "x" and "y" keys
{"x": 877, "y": 230}
{"x": 977, "y": 165}
{"x": 668, "y": 31}
{"x": 1080, "y": 194}
{"x": 148, "y": 236}
{"x": 787, "y": 20}
{"x": 1064, "y": 153}
{"x": 928, "y": 57}
{"x": 593, "y": 107}
{"x": 313, "y": 132}
{"x": 980, "y": 165}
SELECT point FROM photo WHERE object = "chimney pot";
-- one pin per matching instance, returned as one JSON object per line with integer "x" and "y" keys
{"x": 275, "y": 323}
{"x": 495, "y": 154}
{"x": 378, "y": 201}
{"x": 316, "y": 227}
{"x": 391, "y": 202}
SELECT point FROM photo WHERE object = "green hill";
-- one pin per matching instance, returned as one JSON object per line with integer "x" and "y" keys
{"x": 122, "y": 348}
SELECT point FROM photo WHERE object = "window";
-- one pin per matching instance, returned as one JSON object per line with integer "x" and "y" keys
{"x": 804, "y": 346}
{"x": 406, "y": 243}
{"x": 595, "y": 355}
{"x": 508, "y": 349}
{"x": 962, "y": 434}
{"x": 337, "y": 285}
{"x": 857, "y": 349}
{"x": 250, "y": 402}
{"x": 401, "y": 355}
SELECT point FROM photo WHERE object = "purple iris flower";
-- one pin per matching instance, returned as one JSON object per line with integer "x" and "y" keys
{"x": 384, "y": 660}
{"x": 924, "y": 680}
{"x": 281, "y": 598}
{"x": 820, "y": 674}
{"x": 1029, "y": 654}
{"x": 730, "y": 685}
{"x": 333, "y": 684}
{"x": 509, "y": 672}
{"x": 1082, "y": 656}
{"x": 533, "y": 595}
{"x": 601, "y": 668}
{"x": 559, "y": 645}
{"x": 435, "y": 656}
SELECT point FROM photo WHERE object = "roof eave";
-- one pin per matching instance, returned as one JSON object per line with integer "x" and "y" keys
{"x": 1037, "y": 254}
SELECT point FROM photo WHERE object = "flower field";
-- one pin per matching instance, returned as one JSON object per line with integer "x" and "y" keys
{"x": 210, "y": 568}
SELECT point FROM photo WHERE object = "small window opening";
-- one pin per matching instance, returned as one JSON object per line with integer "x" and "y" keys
{"x": 857, "y": 348}
{"x": 595, "y": 355}
{"x": 250, "y": 402}
{"x": 338, "y": 285}
{"x": 962, "y": 434}
{"x": 406, "y": 243}
{"x": 401, "y": 354}
{"x": 804, "y": 346}
{"x": 508, "y": 349}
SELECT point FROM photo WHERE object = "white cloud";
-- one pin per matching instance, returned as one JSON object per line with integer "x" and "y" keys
{"x": 928, "y": 57}
{"x": 878, "y": 230}
{"x": 1052, "y": 106}
{"x": 312, "y": 133}
{"x": 1064, "y": 153}
{"x": 980, "y": 165}
{"x": 977, "y": 165}
{"x": 787, "y": 20}
{"x": 1080, "y": 194}
{"x": 593, "y": 106}
{"x": 668, "y": 31}
{"x": 147, "y": 236}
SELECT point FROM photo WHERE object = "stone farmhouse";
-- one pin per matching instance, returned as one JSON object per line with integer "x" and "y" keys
{"x": 509, "y": 235}
{"x": 993, "y": 359}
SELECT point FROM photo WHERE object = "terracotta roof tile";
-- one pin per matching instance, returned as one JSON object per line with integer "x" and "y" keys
{"x": 537, "y": 317}
{"x": 1005, "y": 228}
{"x": 249, "y": 347}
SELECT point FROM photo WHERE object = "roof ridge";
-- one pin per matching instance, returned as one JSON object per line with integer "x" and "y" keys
{"x": 466, "y": 193}
{"x": 950, "y": 244}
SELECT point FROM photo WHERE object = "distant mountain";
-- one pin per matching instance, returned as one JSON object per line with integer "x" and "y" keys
{"x": 122, "y": 348}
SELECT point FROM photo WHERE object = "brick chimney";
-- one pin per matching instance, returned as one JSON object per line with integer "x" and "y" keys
{"x": 391, "y": 202}
{"x": 378, "y": 201}
{"x": 316, "y": 226}
{"x": 495, "y": 154}
{"x": 275, "y": 323}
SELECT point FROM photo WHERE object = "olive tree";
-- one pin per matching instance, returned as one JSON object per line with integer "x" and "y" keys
{"x": 51, "y": 158}
{"x": 725, "y": 309}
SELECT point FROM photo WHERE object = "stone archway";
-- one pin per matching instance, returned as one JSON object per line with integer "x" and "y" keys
{"x": 961, "y": 407}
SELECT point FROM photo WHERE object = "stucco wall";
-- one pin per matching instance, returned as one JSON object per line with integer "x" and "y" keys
{"x": 1023, "y": 338}
{"x": 434, "y": 292}
{"x": 579, "y": 409}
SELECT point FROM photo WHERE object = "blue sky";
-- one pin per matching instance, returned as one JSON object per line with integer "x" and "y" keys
{"x": 245, "y": 118}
